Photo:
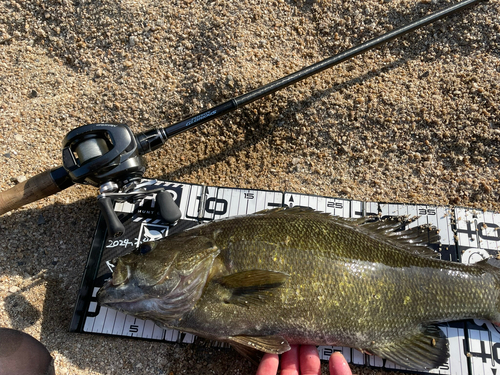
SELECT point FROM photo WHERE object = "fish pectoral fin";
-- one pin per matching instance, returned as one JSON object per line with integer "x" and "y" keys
{"x": 425, "y": 350}
{"x": 254, "y": 279}
{"x": 268, "y": 344}
{"x": 252, "y": 287}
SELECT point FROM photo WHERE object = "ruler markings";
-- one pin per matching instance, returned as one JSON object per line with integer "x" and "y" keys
{"x": 225, "y": 202}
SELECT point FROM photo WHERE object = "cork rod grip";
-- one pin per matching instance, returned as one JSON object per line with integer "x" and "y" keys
{"x": 37, "y": 187}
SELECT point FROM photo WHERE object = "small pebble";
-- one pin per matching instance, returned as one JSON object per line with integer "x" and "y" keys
{"x": 18, "y": 179}
{"x": 41, "y": 220}
{"x": 14, "y": 289}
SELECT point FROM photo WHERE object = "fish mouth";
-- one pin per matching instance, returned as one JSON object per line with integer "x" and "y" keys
{"x": 109, "y": 296}
{"x": 123, "y": 306}
{"x": 143, "y": 308}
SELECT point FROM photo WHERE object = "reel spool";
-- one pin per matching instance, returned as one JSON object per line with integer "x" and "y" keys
{"x": 99, "y": 153}
{"x": 90, "y": 149}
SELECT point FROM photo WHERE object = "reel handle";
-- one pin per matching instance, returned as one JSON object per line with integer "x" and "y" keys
{"x": 169, "y": 211}
{"x": 37, "y": 187}
{"x": 114, "y": 225}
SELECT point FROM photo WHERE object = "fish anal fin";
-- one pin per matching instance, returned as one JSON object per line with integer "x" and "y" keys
{"x": 423, "y": 351}
{"x": 268, "y": 344}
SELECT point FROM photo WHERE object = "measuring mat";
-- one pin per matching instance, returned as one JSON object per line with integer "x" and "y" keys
{"x": 467, "y": 235}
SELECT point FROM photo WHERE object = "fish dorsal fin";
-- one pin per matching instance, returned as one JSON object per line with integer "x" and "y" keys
{"x": 295, "y": 211}
{"x": 423, "y": 351}
{"x": 268, "y": 344}
{"x": 252, "y": 287}
{"x": 388, "y": 229}
{"x": 491, "y": 265}
{"x": 391, "y": 230}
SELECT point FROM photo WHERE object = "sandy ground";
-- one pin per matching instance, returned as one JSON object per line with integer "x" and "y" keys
{"x": 417, "y": 121}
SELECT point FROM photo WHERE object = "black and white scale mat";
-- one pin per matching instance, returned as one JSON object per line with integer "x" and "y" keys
{"x": 466, "y": 234}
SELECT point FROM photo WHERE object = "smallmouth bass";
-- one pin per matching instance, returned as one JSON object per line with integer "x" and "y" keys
{"x": 296, "y": 276}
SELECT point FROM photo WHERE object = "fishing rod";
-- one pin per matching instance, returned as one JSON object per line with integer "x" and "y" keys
{"x": 108, "y": 156}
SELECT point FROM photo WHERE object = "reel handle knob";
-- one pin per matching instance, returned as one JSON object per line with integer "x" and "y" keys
{"x": 115, "y": 226}
{"x": 169, "y": 211}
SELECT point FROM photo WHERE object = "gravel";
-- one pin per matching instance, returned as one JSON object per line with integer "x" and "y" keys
{"x": 417, "y": 121}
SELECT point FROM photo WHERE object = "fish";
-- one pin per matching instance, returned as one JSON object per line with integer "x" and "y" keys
{"x": 265, "y": 281}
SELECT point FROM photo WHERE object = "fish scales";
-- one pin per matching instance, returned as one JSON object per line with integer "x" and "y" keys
{"x": 355, "y": 277}
{"x": 297, "y": 276}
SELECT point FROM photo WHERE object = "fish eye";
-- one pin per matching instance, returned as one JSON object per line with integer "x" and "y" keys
{"x": 146, "y": 247}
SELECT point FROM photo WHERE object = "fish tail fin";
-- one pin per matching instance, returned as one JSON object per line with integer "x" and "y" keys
{"x": 425, "y": 350}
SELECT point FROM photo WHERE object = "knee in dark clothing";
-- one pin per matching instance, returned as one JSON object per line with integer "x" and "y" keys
{"x": 21, "y": 354}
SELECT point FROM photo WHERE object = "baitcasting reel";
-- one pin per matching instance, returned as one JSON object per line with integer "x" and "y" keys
{"x": 108, "y": 156}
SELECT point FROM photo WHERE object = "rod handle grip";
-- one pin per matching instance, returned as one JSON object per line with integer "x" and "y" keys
{"x": 37, "y": 187}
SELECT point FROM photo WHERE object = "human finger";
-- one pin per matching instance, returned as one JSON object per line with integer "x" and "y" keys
{"x": 290, "y": 361}
{"x": 268, "y": 365}
{"x": 310, "y": 364}
{"x": 338, "y": 365}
